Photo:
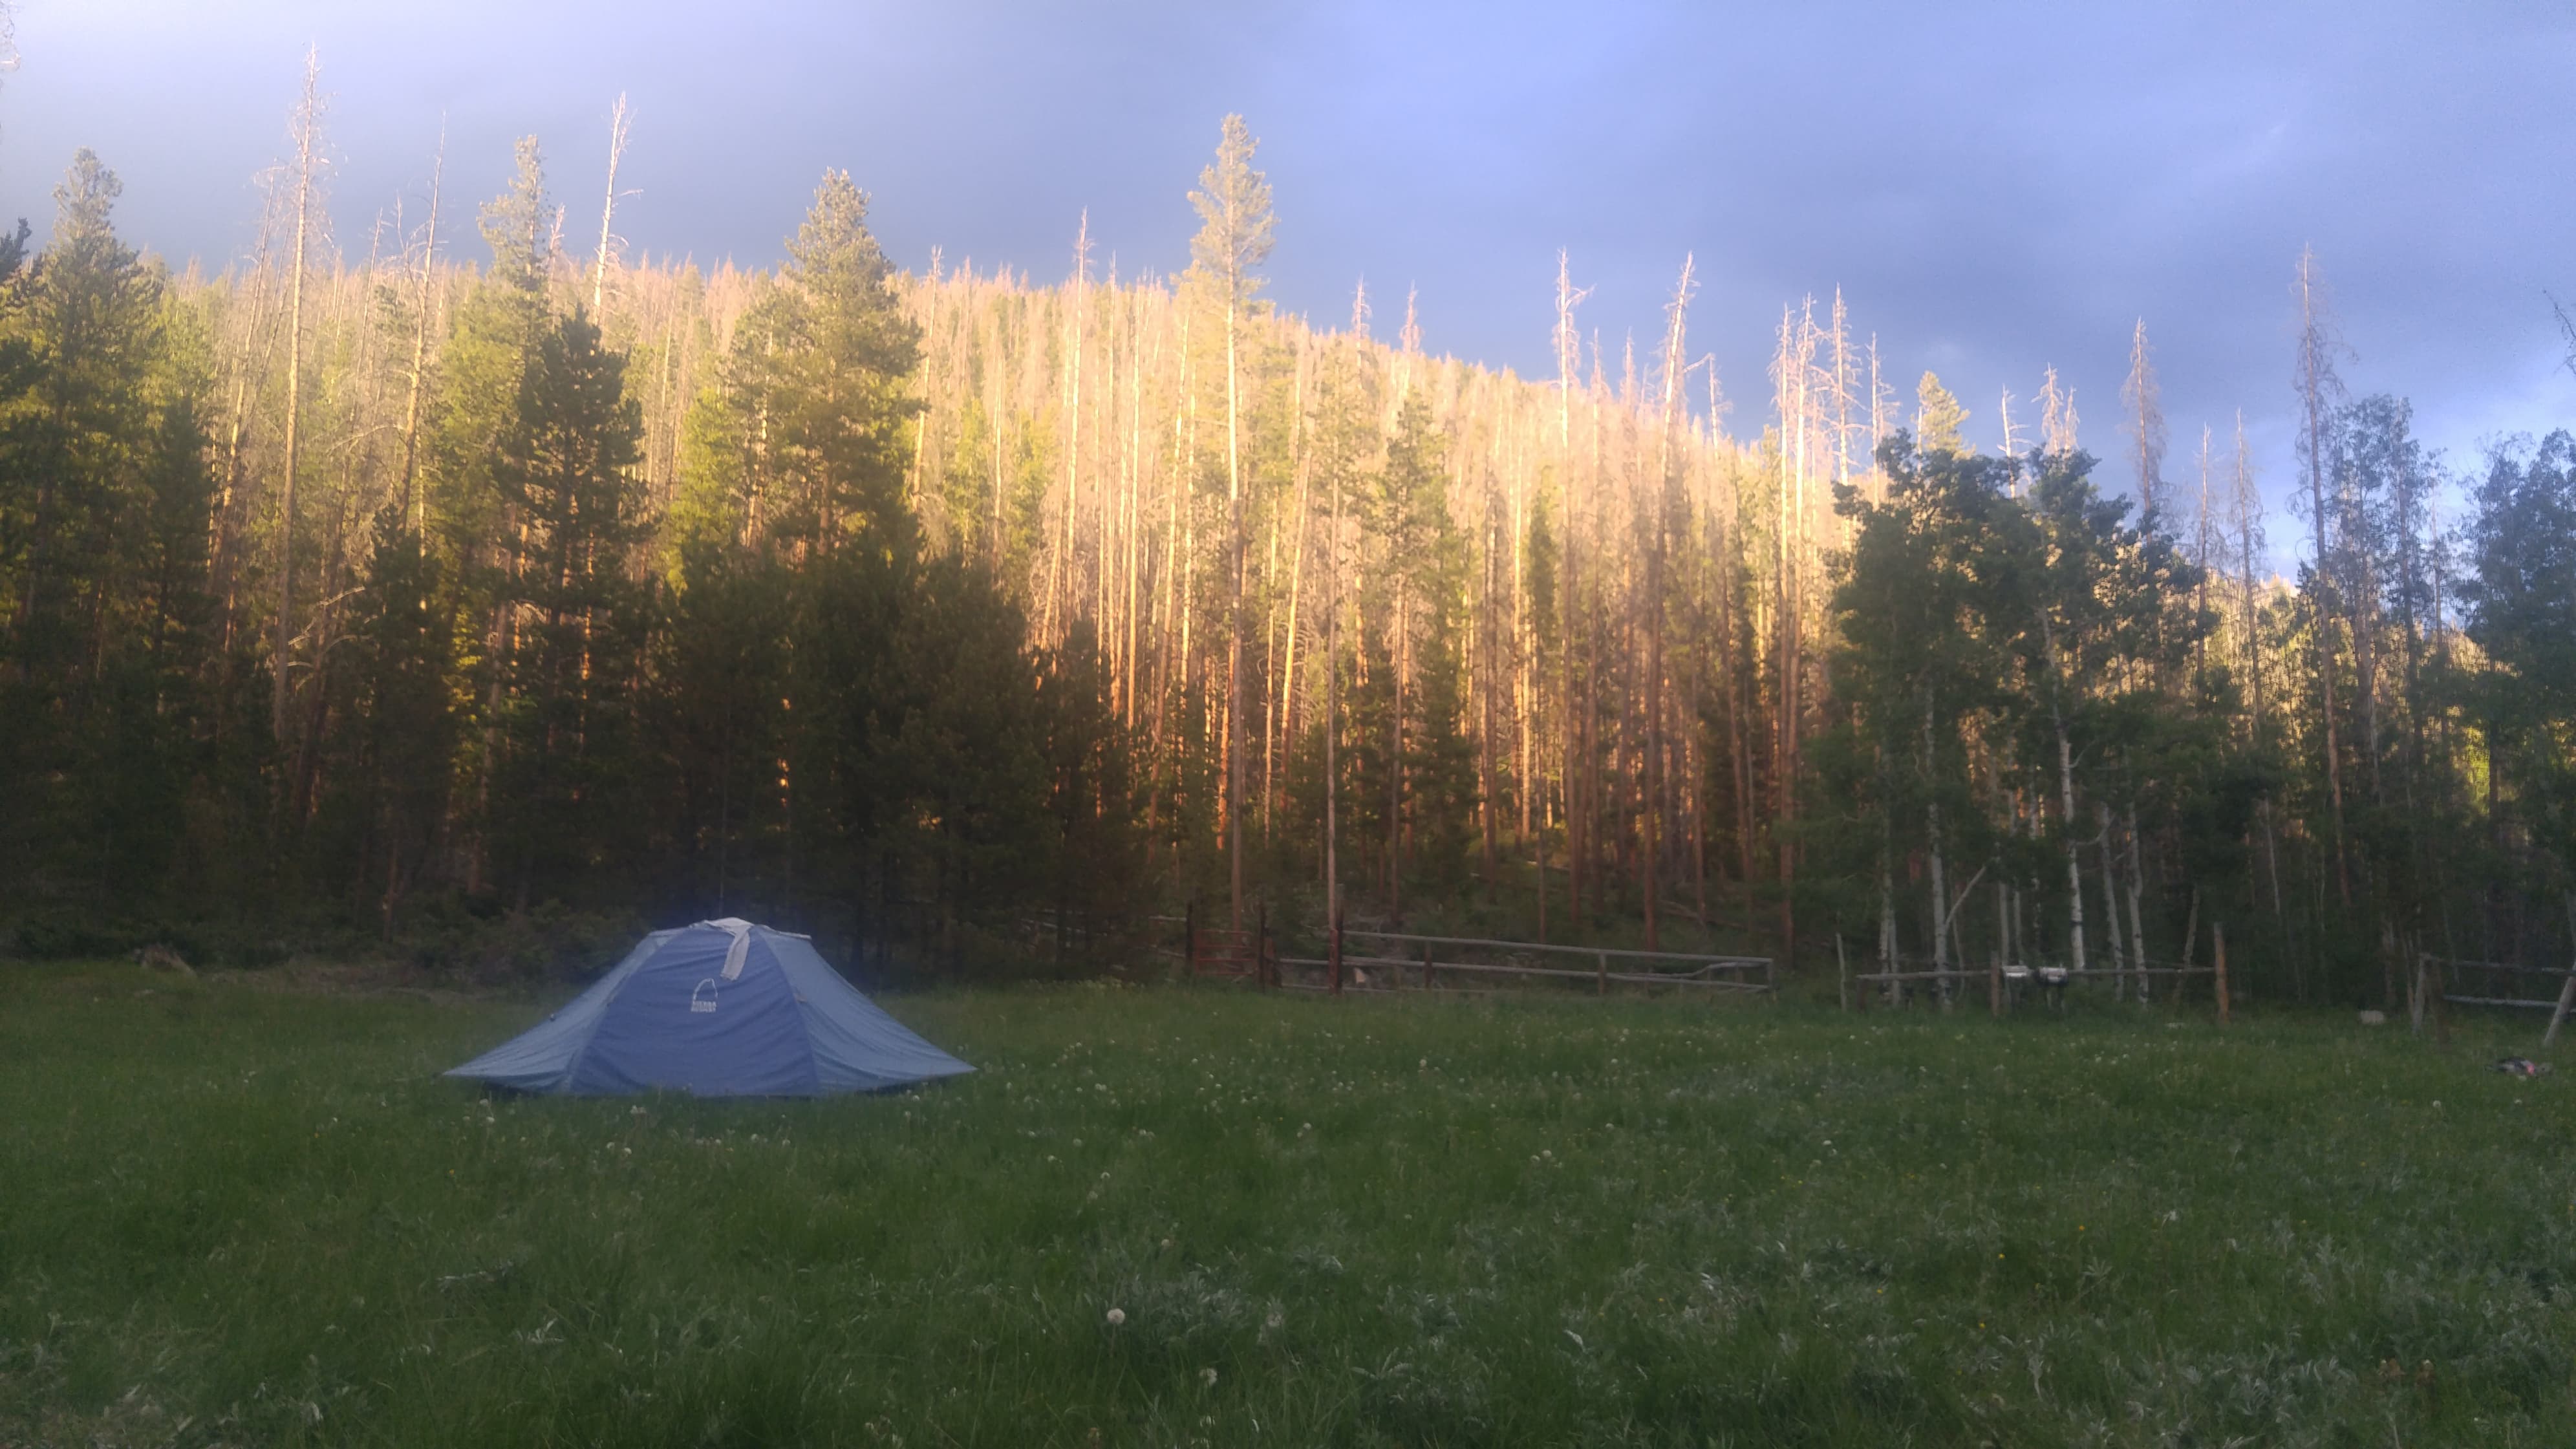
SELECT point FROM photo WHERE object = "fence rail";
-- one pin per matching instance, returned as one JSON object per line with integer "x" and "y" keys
{"x": 2488, "y": 976}
{"x": 1709, "y": 959}
{"x": 1700, "y": 969}
{"x": 1254, "y": 955}
{"x": 1398, "y": 965}
{"x": 2005, "y": 984}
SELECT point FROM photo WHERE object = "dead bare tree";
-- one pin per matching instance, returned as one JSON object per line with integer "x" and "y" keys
{"x": 620, "y": 122}
{"x": 306, "y": 132}
{"x": 1650, "y": 858}
{"x": 420, "y": 337}
{"x": 2057, "y": 421}
{"x": 2146, "y": 419}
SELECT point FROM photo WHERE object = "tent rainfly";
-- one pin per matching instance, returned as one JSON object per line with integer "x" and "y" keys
{"x": 723, "y": 1008}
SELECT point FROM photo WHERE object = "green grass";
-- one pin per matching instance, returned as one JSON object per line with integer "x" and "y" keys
{"x": 244, "y": 1216}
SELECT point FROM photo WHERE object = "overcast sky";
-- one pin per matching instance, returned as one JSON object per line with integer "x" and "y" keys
{"x": 1994, "y": 188}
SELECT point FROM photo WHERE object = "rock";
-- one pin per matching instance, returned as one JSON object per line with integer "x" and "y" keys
{"x": 162, "y": 958}
{"x": 2374, "y": 1018}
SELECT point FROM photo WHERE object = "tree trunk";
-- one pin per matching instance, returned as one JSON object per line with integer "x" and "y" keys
{"x": 2066, "y": 807}
{"x": 1940, "y": 878}
{"x": 308, "y": 117}
{"x": 2111, "y": 904}
{"x": 2137, "y": 926}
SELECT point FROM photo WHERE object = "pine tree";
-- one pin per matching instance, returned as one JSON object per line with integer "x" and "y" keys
{"x": 565, "y": 470}
{"x": 805, "y": 439}
{"x": 408, "y": 721}
{"x": 472, "y": 524}
{"x": 92, "y": 331}
{"x": 1414, "y": 596}
{"x": 1940, "y": 423}
{"x": 2522, "y": 613}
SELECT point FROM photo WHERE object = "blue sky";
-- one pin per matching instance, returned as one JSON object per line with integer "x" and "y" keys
{"x": 1995, "y": 188}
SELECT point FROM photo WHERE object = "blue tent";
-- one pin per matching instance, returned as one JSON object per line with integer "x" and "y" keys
{"x": 720, "y": 1009}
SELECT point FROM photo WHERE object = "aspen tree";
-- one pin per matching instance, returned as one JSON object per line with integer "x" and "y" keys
{"x": 2118, "y": 949}
{"x": 2202, "y": 537}
{"x": 2245, "y": 513}
{"x": 2317, "y": 384}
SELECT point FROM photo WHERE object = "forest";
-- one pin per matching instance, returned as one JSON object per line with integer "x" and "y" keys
{"x": 486, "y": 575}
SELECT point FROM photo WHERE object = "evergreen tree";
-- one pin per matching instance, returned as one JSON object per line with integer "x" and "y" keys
{"x": 1414, "y": 596}
{"x": 565, "y": 472}
{"x": 1940, "y": 423}
{"x": 80, "y": 432}
{"x": 2522, "y": 600}
{"x": 484, "y": 361}
{"x": 1920, "y": 651}
{"x": 103, "y": 491}
{"x": 397, "y": 767}
{"x": 1098, "y": 864}
{"x": 718, "y": 724}
{"x": 806, "y": 439}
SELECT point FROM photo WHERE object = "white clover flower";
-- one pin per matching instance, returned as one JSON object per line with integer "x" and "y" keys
{"x": 1207, "y": 1378}
{"x": 1117, "y": 1316}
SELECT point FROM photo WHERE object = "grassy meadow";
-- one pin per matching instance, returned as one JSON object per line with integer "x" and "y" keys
{"x": 236, "y": 1214}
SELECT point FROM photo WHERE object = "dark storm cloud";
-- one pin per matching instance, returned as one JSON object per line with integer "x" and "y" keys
{"x": 1994, "y": 189}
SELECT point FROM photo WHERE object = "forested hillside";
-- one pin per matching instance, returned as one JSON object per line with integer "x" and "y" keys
{"x": 970, "y": 619}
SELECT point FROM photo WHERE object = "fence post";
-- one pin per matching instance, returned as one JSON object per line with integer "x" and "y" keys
{"x": 1995, "y": 987}
{"x": 2566, "y": 993}
{"x": 2218, "y": 950}
{"x": 2558, "y": 1018}
{"x": 1190, "y": 937}
{"x": 1334, "y": 975}
{"x": 1426, "y": 965}
{"x": 1601, "y": 982}
{"x": 1842, "y": 974}
{"x": 1261, "y": 946}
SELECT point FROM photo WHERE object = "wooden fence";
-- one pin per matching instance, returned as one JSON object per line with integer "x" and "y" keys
{"x": 2008, "y": 983}
{"x": 1432, "y": 962}
{"x": 2494, "y": 983}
